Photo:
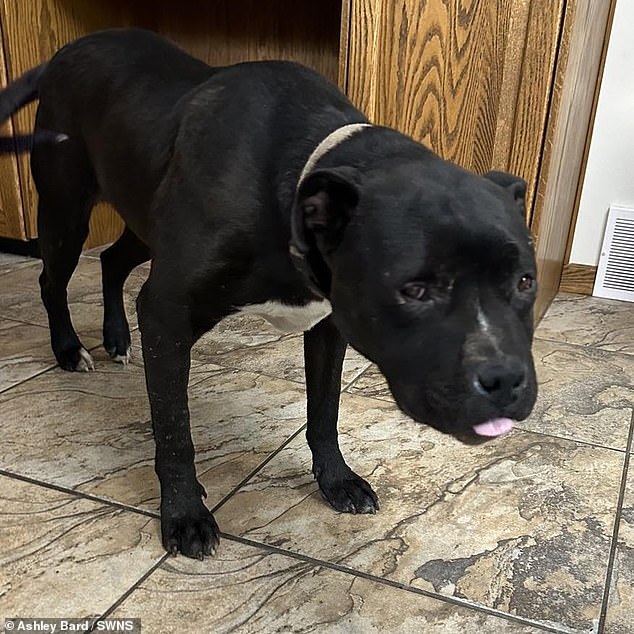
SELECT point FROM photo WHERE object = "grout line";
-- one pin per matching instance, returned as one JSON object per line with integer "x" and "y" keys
{"x": 28, "y": 378}
{"x": 586, "y": 443}
{"x": 130, "y": 590}
{"x": 22, "y": 321}
{"x": 17, "y": 320}
{"x": 263, "y": 464}
{"x": 20, "y": 266}
{"x": 80, "y": 494}
{"x": 464, "y": 603}
{"x": 356, "y": 378}
{"x": 615, "y": 532}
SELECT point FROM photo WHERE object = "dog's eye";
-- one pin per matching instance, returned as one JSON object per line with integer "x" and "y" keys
{"x": 415, "y": 290}
{"x": 526, "y": 283}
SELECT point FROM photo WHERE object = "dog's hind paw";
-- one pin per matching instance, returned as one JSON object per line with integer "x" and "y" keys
{"x": 194, "y": 534}
{"x": 85, "y": 363}
{"x": 351, "y": 494}
{"x": 124, "y": 359}
{"x": 75, "y": 360}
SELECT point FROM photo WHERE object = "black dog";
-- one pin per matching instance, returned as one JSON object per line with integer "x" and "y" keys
{"x": 260, "y": 187}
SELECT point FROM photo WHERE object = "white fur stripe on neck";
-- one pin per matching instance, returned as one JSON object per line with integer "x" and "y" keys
{"x": 330, "y": 142}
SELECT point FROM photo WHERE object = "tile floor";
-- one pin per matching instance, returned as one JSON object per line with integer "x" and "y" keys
{"x": 530, "y": 533}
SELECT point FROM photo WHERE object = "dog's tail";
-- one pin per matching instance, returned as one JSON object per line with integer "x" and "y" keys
{"x": 16, "y": 95}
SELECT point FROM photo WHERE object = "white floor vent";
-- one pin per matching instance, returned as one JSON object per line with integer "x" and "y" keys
{"x": 615, "y": 275}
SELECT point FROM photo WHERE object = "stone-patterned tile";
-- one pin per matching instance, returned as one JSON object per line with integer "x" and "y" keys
{"x": 25, "y": 351}
{"x": 63, "y": 556}
{"x": 237, "y": 332}
{"x": 245, "y": 590}
{"x": 590, "y": 321}
{"x": 373, "y": 384}
{"x": 74, "y": 428}
{"x": 282, "y": 357}
{"x": 521, "y": 524}
{"x": 91, "y": 431}
{"x": 584, "y": 394}
{"x": 238, "y": 419}
{"x": 20, "y": 297}
{"x": 10, "y": 262}
{"x": 620, "y": 614}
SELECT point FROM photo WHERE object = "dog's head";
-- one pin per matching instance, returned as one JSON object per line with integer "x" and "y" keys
{"x": 430, "y": 271}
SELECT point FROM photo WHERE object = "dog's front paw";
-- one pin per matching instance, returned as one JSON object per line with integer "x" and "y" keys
{"x": 348, "y": 493}
{"x": 190, "y": 530}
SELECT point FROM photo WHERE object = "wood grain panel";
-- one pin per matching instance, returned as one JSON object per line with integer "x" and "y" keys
{"x": 221, "y": 32}
{"x": 344, "y": 42}
{"x": 363, "y": 64}
{"x": 533, "y": 95}
{"x": 448, "y": 59}
{"x": 511, "y": 84}
{"x": 470, "y": 79}
{"x": 11, "y": 216}
{"x": 579, "y": 61}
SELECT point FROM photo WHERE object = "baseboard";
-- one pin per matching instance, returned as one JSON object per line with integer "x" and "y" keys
{"x": 578, "y": 278}
{"x": 20, "y": 247}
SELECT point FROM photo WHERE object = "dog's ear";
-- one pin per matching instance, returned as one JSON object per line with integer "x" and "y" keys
{"x": 324, "y": 202}
{"x": 515, "y": 185}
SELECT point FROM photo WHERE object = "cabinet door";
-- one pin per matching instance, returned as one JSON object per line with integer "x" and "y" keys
{"x": 505, "y": 84}
{"x": 469, "y": 79}
{"x": 220, "y": 32}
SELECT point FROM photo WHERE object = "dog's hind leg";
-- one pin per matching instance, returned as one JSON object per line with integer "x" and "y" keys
{"x": 67, "y": 189}
{"x": 117, "y": 261}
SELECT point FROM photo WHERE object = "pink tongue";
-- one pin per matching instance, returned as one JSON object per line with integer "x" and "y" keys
{"x": 495, "y": 427}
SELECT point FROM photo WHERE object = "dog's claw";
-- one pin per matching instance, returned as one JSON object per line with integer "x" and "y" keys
{"x": 123, "y": 359}
{"x": 85, "y": 364}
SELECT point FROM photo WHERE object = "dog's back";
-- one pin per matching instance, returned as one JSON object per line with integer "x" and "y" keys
{"x": 116, "y": 93}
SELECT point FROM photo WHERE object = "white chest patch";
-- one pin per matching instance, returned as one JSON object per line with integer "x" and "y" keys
{"x": 288, "y": 318}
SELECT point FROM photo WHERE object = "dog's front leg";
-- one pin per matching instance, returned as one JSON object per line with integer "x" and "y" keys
{"x": 324, "y": 349}
{"x": 186, "y": 523}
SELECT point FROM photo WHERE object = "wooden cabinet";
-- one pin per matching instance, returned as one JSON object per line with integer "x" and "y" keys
{"x": 506, "y": 84}
{"x": 222, "y": 32}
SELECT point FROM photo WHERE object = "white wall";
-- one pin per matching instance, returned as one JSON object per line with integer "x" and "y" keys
{"x": 609, "y": 175}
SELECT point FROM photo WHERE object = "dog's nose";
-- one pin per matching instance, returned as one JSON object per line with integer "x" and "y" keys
{"x": 501, "y": 381}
